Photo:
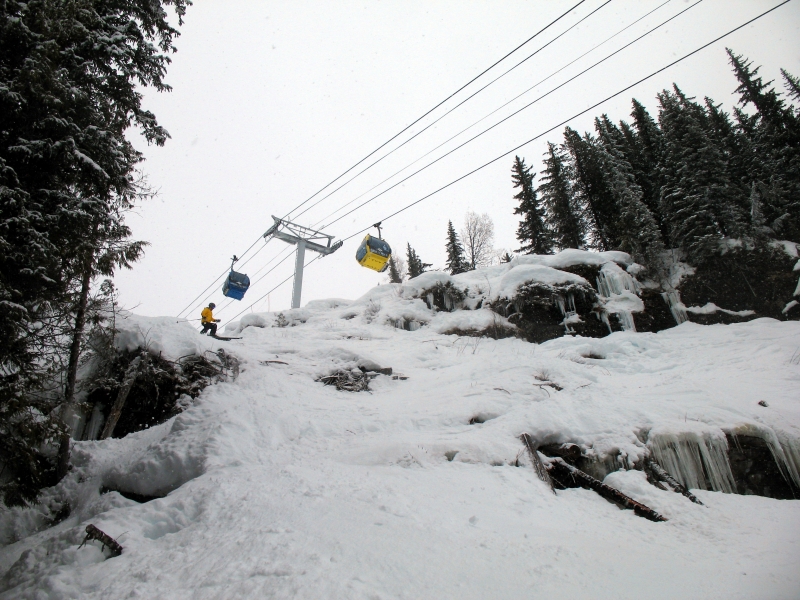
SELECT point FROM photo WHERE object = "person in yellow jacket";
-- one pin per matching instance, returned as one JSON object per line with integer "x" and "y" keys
{"x": 208, "y": 321}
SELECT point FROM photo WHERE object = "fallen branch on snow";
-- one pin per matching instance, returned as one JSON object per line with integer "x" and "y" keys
{"x": 660, "y": 474}
{"x": 541, "y": 471}
{"x": 93, "y": 533}
{"x": 560, "y": 469}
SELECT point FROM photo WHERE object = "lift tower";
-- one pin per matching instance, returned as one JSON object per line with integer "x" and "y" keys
{"x": 302, "y": 237}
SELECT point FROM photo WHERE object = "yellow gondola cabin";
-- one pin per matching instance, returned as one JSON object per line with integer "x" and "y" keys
{"x": 374, "y": 254}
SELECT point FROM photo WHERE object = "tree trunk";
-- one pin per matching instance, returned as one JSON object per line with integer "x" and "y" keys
{"x": 538, "y": 465}
{"x": 127, "y": 383}
{"x": 564, "y": 470}
{"x": 74, "y": 355}
{"x": 660, "y": 474}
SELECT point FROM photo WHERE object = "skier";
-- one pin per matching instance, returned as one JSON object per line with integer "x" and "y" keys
{"x": 208, "y": 321}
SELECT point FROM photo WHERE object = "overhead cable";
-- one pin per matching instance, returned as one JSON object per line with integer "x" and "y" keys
{"x": 576, "y": 115}
{"x": 500, "y": 108}
{"x": 513, "y": 114}
{"x": 435, "y": 121}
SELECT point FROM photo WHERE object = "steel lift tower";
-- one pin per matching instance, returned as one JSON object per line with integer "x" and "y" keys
{"x": 302, "y": 237}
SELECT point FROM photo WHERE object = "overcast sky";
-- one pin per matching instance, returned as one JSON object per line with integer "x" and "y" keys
{"x": 272, "y": 100}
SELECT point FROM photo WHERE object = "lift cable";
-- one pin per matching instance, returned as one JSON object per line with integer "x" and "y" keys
{"x": 513, "y": 114}
{"x": 435, "y": 121}
{"x": 583, "y": 112}
{"x": 213, "y": 283}
{"x": 478, "y": 76}
{"x": 491, "y": 113}
{"x": 317, "y": 257}
{"x": 227, "y": 304}
{"x": 504, "y": 155}
{"x": 395, "y": 137}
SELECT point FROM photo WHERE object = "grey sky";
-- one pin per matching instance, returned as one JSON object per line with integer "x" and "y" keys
{"x": 272, "y": 100}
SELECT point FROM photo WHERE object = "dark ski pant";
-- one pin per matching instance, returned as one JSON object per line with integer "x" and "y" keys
{"x": 211, "y": 326}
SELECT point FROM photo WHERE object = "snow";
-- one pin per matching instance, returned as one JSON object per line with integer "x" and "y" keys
{"x": 510, "y": 283}
{"x": 710, "y": 308}
{"x": 792, "y": 249}
{"x": 275, "y": 486}
{"x": 571, "y": 257}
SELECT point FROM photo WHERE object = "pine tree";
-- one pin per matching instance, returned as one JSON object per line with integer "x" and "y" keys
{"x": 773, "y": 138}
{"x": 792, "y": 84}
{"x": 648, "y": 144}
{"x": 394, "y": 272}
{"x": 697, "y": 197}
{"x": 456, "y": 263}
{"x": 556, "y": 192}
{"x": 637, "y": 229}
{"x": 70, "y": 77}
{"x": 591, "y": 189}
{"x": 415, "y": 265}
{"x": 532, "y": 232}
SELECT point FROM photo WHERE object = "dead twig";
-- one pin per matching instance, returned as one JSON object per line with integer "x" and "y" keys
{"x": 347, "y": 381}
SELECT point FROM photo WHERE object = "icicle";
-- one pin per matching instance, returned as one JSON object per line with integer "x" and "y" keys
{"x": 698, "y": 459}
{"x": 626, "y": 320}
{"x": 791, "y": 453}
{"x": 430, "y": 300}
{"x": 448, "y": 302}
{"x": 604, "y": 319}
{"x": 673, "y": 299}
{"x": 613, "y": 280}
{"x": 95, "y": 423}
{"x": 785, "y": 450}
{"x": 561, "y": 306}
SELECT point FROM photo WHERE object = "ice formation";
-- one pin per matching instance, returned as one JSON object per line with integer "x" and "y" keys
{"x": 676, "y": 307}
{"x": 697, "y": 456}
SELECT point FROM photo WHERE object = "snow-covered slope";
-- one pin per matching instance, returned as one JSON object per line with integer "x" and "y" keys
{"x": 275, "y": 486}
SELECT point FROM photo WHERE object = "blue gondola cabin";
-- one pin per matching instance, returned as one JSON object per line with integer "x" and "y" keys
{"x": 374, "y": 254}
{"x": 236, "y": 285}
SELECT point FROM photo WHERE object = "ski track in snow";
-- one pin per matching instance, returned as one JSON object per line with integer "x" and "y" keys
{"x": 280, "y": 487}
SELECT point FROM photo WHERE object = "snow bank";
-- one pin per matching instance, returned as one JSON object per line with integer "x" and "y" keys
{"x": 510, "y": 283}
{"x": 168, "y": 336}
{"x": 572, "y": 257}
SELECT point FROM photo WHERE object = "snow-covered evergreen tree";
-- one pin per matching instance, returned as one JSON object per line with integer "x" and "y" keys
{"x": 590, "y": 188}
{"x": 698, "y": 199}
{"x": 70, "y": 86}
{"x": 563, "y": 215}
{"x": 456, "y": 263}
{"x": 415, "y": 265}
{"x": 773, "y": 136}
{"x": 647, "y": 149}
{"x": 394, "y": 272}
{"x": 532, "y": 233}
{"x": 636, "y": 229}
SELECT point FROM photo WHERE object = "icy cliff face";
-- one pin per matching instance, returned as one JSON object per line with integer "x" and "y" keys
{"x": 541, "y": 296}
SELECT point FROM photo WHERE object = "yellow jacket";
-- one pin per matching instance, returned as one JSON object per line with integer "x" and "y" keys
{"x": 206, "y": 316}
